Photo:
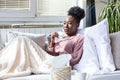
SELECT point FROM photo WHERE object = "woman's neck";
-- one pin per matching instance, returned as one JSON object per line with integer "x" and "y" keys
{"x": 72, "y": 35}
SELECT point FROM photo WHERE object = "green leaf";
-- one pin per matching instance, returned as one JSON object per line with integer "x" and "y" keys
{"x": 112, "y": 11}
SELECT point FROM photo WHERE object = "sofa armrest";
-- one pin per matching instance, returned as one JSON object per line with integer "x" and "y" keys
{"x": 108, "y": 76}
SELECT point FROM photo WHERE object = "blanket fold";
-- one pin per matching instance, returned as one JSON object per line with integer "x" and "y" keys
{"x": 22, "y": 57}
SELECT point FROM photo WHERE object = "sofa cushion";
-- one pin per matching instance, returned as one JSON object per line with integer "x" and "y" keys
{"x": 109, "y": 76}
{"x": 39, "y": 39}
{"x": 115, "y": 44}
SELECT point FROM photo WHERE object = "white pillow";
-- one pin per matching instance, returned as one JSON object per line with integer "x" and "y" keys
{"x": 81, "y": 31}
{"x": 100, "y": 34}
{"x": 98, "y": 50}
{"x": 89, "y": 62}
{"x": 38, "y": 38}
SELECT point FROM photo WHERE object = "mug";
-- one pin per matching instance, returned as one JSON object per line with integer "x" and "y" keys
{"x": 80, "y": 76}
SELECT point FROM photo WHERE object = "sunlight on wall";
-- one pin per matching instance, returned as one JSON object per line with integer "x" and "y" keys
{"x": 80, "y": 3}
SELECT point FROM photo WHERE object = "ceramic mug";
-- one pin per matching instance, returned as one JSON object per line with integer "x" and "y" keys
{"x": 80, "y": 76}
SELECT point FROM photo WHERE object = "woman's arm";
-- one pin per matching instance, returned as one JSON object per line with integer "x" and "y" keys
{"x": 78, "y": 50}
{"x": 51, "y": 48}
{"x": 52, "y": 53}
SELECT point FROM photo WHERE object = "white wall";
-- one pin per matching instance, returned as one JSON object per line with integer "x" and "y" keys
{"x": 99, "y": 5}
{"x": 82, "y": 4}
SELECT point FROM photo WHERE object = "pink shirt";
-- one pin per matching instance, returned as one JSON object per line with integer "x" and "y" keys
{"x": 71, "y": 45}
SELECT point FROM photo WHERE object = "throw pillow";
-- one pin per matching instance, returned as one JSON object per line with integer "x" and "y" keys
{"x": 115, "y": 45}
{"x": 37, "y": 38}
{"x": 97, "y": 57}
{"x": 100, "y": 35}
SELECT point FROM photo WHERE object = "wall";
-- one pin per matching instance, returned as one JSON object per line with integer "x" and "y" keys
{"x": 99, "y": 5}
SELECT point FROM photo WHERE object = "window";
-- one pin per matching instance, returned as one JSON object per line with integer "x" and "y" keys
{"x": 54, "y": 7}
{"x": 17, "y": 8}
{"x": 53, "y": 10}
{"x": 34, "y": 11}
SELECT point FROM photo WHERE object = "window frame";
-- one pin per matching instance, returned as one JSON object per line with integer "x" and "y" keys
{"x": 22, "y": 13}
{"x": 31, "y": 17}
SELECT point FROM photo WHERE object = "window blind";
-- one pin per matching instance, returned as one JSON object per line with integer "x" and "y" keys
{"x": 17, "y": 8}
{"x": 54, "y": 7}
{"x": 14, "y": 4}
{"x": 52, "y": 11}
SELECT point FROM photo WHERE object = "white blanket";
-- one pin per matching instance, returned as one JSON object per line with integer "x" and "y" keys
{"x": 22, "y": 57}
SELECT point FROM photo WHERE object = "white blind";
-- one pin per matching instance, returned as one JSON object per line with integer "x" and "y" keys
{"x": 17, "y": 8}
{"x": 35, "y": 10}
{"x": 54, "y": 7}
{"x": 14, "y": 4}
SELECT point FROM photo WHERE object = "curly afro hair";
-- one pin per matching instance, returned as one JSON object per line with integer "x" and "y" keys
{"x": 77, "y": 13}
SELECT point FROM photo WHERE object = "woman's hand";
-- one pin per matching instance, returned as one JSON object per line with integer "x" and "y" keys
{"x": 52, "y": 39}
{"x": 55, "y": 34}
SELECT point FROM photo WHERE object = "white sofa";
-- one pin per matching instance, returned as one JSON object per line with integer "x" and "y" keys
{"x": 100, "y": 36}
{"x": 114, "y": 75}
{"x": 115, "y": 45}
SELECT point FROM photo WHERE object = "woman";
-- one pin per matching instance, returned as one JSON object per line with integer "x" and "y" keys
{"x": 22, "y": 56}
{"x": 72, "y": 43}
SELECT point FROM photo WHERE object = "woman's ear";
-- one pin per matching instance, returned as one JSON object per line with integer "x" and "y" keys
{"x": 78, "y": 25}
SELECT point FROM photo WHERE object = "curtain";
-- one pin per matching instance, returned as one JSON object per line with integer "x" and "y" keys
{"x": 90, "y": 13}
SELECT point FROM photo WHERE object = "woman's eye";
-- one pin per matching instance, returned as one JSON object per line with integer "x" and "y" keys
{"x": 70, "y": 23}
{"x": 64, "y": 23}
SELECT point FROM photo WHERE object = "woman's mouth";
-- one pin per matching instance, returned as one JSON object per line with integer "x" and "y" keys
{"x": 66, "y": 30}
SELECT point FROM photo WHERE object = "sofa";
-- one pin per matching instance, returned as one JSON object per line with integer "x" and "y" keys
{"x": 115, "y": 47}
{"x": 98, "y": 66}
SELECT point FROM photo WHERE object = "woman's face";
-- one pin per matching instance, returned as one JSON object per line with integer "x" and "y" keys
{"x": 70, "y": 26}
